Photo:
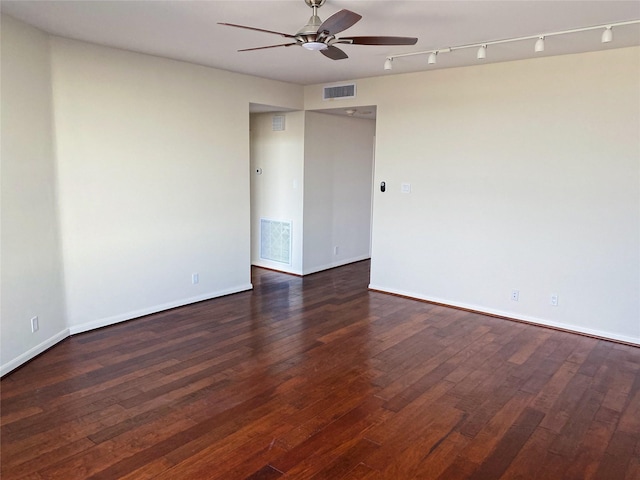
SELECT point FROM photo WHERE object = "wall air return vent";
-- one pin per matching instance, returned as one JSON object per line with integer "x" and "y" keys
{"x": 275, "y": 240}
{"x": 339, "y": 91}
{"x": 277, "y": 123}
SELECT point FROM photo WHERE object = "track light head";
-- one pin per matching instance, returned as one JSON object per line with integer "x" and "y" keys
{"x": 482, "y": 52}
{"x": 607, "y": 35}
{"x": 387, "y": 64}
{"x": 432, "y": 58}
{"x": 539, "y": 46}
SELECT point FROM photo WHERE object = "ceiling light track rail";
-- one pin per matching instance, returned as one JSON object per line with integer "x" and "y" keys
{"x": 607, "y": 36}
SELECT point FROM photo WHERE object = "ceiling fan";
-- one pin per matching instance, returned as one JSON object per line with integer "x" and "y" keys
{"x": 321, "y": 36}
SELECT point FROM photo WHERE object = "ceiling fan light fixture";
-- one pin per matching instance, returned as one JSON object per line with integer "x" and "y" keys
{"x": 315, "y": 46}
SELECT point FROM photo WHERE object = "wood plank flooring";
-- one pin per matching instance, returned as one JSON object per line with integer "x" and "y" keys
{"x": 317, "y": 377}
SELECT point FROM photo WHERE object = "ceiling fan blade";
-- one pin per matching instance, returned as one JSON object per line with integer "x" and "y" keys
{"x": 379, "y": 40}
{"x": 339, "y": 21}
{"x": 286, "y": 35}
{"x": 334, "y": 53}
{"x": 268, "y": 46}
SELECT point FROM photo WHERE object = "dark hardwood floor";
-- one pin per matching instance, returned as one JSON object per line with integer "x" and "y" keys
{"x": 318, "y": 377}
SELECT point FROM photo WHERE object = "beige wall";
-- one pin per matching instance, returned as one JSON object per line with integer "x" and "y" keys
{"x": 31, "y": 279}
{"x": 338, "y": 170}
{"x": 151, "y": 163}
{"x": 525, "y": 175}
{"x": 277, "y": 193}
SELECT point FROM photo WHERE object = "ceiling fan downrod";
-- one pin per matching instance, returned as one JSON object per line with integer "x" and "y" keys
{"x": 311, "y": 27}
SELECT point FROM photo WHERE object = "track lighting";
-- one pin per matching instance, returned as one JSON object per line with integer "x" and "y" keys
{"x": 607, "y": 36}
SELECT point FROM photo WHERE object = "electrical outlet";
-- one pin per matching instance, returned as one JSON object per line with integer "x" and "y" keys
{"x": 554, "y": 300}
{"x": 515, "y": 295}
{"x": 35, "y": 324}
{"x": 195, "y": 278}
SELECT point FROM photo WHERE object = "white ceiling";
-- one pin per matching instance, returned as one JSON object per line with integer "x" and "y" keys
{"x": 188, "y": 30}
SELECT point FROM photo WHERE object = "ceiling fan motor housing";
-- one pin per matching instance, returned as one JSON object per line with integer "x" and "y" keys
{"x": 311, "y": 27}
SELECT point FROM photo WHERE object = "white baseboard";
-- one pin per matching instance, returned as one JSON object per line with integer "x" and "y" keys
{"x": 339, "y": 263}
{"x": 523, "y": 318}
{"x": 105, "y": 322}
{"x": 278, "y": 267}
{"x": 33, "y": 352}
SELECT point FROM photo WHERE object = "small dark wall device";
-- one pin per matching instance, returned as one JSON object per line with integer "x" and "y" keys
{"x": 383, "y": 186}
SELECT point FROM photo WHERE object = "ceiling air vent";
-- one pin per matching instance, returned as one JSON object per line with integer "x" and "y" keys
{"x": 339, "y": 91}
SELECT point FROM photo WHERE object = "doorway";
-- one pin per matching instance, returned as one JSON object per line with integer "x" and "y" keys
{"x": 317, "y": 174}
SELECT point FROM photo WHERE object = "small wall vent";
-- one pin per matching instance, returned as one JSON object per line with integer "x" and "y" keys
{"x": 339, "y": 91}
{"x": 275, "y": 240}
{"x": 277, "y": 123}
